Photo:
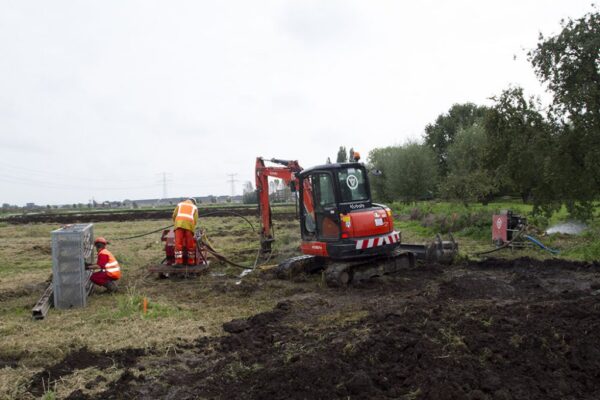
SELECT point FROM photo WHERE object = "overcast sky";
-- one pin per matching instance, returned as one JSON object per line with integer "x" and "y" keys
{"x": 99, "y": 99}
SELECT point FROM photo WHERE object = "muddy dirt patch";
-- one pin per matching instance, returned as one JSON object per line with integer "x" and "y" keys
{"x": 440, "y": 352}
{"x": 22, "y": 291}
{"x": 470, "y": 331}
{"x": 42, "y": 249}
{"x": 534, "y": 264}
{"x": 476, "y": 287}
{"x": 81, "y": 359}
{"x": 7, "y": 361}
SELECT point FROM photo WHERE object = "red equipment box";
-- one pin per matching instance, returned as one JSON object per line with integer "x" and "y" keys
{"x": 499, "y": 228}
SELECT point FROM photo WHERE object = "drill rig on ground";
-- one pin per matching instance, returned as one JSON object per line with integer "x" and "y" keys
{"x": 343, "y": 232}
{"x": 168, "y": 267}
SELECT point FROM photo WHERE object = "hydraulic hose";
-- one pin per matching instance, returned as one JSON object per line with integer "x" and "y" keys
{"x": 528, "y": 237}
{"x": 232, "y": 213}
{"x": 143, "y": 234}
{"x": 221, "y": 257}
{"x": 505, "y": 245}
{"x": 541, "y": 245}
{"x": 203, "y": 215}
{"x": 205, "y": 240}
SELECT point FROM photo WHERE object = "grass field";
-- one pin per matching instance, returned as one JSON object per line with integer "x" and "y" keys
{"x": 471, "y": 226}
{"x": 183, "y": 310}
{"x": 178, "y": 309}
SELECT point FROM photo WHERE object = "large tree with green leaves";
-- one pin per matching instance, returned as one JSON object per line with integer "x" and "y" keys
{"x": 441, "y": 134}
{"x": 469, "y": 177}
{"x": 569, "y": 63}
{"x": 520, "y": 145}
{"x": 409, "y": 172}
{"x": 381, "y": 159}
{"x": 342, "y": 156}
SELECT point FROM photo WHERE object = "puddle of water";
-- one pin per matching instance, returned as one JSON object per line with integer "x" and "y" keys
{"x": 569, "y": 228}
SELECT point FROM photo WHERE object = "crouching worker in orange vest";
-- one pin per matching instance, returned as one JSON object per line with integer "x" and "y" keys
{"x": 185, "y": 218}
{"x": 107, "y": 266}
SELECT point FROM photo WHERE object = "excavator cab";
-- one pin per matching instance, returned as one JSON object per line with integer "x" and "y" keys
{"x": 336, "y": 210}
{"x": 330, "y": 188}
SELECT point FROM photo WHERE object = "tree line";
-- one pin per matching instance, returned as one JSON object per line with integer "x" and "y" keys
{"x": 548, "y": 156}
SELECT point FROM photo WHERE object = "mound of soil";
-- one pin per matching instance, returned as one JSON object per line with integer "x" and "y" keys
{"x": 479, "y": 331}
{"x": 81, "y": 359}
{"x": 470, "y": 287}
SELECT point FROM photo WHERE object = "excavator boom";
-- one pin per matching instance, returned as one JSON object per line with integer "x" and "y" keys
{"x": 287, "y": 173}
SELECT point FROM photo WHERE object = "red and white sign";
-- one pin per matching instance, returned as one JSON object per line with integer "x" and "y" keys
{"x": 499, "y": 225}
{"x": 362, "y": 244}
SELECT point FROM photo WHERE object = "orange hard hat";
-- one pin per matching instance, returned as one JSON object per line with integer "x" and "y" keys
{"x": 100, "y": 239}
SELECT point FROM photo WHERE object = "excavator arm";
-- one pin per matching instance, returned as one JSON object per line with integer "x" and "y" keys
{"x": 287, "y": 173}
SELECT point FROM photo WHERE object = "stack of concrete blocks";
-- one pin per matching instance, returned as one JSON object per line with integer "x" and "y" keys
{"x": 72, "y": 247}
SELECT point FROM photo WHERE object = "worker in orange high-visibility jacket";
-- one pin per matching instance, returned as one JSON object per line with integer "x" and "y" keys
{"x": 107, "y": 267}
{"x": 185, "y": 218}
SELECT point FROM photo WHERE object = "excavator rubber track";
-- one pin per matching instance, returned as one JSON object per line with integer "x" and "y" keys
{"x": 295, "y": 266}
{"x": 340, "y": 274}
{"x": 343, "y": 273}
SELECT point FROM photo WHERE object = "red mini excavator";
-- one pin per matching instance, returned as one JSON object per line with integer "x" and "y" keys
{"x": 343, "y": 231}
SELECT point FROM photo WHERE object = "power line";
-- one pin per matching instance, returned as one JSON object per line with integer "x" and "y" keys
{"x": 165, "y": 179}
{"x": 232, "y": 181}
{"x": 58, "y": 185}
{"x": 18, "y": 171}
{"x": 51, "y": 177}
{"x": 12, "y": 175}
{"x": 164, "y": 185}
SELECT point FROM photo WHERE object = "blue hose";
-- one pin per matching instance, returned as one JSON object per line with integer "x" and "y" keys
{"x": 541, "y": 245}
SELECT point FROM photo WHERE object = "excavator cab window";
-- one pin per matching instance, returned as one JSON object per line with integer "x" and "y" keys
{"x": 323, "y": 190}
{"x": 326, "y": 214}
{"x": 352, "y": 185}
